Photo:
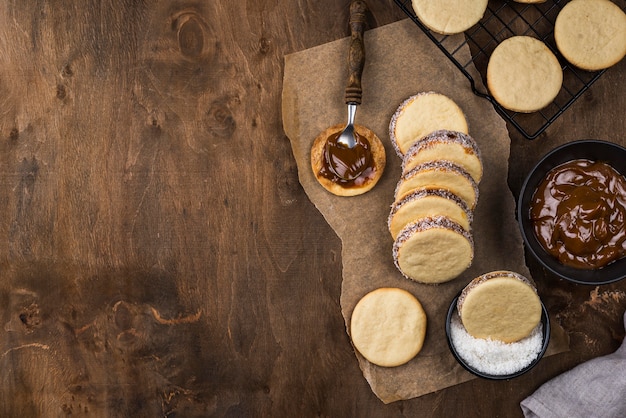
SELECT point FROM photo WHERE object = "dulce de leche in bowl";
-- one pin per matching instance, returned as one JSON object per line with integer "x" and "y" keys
{"x": 572, "y": 211}
{"x": 579, "y": 213}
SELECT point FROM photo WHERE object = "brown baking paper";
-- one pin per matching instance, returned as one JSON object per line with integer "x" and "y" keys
{"x": 401, "y": 61}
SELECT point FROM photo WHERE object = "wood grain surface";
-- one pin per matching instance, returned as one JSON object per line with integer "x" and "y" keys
{"x": 159, "y": 257}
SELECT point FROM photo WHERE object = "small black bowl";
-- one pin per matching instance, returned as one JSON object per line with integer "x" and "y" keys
{"x": 546, "y": 340}
{"x": 594, "y": 150}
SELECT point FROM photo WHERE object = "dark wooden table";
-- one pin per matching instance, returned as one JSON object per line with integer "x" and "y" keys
{"x": 160, "y": 258}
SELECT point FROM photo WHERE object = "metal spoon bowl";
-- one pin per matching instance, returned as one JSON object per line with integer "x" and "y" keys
{"x": 347, "y": 138}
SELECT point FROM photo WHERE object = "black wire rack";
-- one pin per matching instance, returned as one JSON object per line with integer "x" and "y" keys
{"x": 501, "y": 20}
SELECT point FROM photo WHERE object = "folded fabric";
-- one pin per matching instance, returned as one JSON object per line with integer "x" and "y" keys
{"x": 596, "y": 388}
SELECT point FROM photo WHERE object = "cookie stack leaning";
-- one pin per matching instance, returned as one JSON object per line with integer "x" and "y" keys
{"x": 431, "y": 216}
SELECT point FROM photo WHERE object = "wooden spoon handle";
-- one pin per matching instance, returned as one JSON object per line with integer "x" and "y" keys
{"x": 356, "y": 57}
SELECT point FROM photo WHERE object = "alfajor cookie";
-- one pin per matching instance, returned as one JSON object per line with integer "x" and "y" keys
{"x": 433, "y": 250}
{"x": 422, "y": 114}
{"x": 456, "y": 147}
{"x": 591, "y": 34}
{"x": 523, "y": 75}
{"x": 501, "y": 305}
{"x": 423, "y": 203}
{"x": 388, "y": 327}
{"x": 371, "y": 152}
{"x": 439, "y": 174}
{"x": 449, "y": 16}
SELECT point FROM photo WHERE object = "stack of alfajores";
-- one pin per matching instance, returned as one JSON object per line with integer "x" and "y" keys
{"x": 431, "y": 216}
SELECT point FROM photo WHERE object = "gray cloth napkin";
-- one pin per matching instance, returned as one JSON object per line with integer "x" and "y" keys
{"x": 596, "y": 388}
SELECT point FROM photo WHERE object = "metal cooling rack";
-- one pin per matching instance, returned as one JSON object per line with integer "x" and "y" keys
{"x": 502, "y": 20}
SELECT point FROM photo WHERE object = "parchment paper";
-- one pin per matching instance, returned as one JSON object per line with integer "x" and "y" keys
{"x": 400, "y": 61}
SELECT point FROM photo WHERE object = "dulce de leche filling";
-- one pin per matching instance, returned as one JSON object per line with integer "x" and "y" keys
{"x": 349, "y": 167}
{"x": 579, "y": 214}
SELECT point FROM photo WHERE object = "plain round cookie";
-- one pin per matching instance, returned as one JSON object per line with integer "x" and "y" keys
{"x": 501, "y": 305}
{"x": 378, "y": 154}
{"x": 388, "y": 326}
{"x": 591, "y": 34}
{"x": 523, "y": 75}
{"x": 421, "y": 114}
{"x": 449, "y": 16}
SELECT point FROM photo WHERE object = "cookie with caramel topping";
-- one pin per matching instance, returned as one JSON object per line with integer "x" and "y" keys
{"x": 364, "y": 167}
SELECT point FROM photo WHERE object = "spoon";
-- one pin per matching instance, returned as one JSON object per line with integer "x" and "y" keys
{"x": 356, "y": 62}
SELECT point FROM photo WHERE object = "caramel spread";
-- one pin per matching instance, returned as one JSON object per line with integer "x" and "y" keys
{"x": 579, "y": 214}
{"x": 349, "y": 167}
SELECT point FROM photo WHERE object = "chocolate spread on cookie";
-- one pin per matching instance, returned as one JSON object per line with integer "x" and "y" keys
{"x": 579, "y": 214}
{"x": 349, "y": 167}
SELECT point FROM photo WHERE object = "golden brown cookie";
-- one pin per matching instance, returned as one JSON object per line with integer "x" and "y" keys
{"x": 433, "y": 250}
{"x": 427, "y": 202}
{"x": 449, "y": 16}
{"x": 421, "y": 114}
{"x": 501, "y": 305}
{"x": 523, "y": 75}
{"x": 348, "y": 187}
{"x": 439, "y": 174}
{"x": 456, "y": 147}
{"x": 591, "y": 34}
{"x": 388, "y": 326}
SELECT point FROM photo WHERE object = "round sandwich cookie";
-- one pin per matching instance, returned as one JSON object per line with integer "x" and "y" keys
{"x": 523, "y": 75}
{"x": 456, "y": 147}
{"x": 424, "y": 203}
{"x": 388, "y": 326}
{"x": 433, "y": 250}
{"x": 335, "y": 166}
{"x": 449, "y": 16}
{"x": 439, "y": 174}
{"x": 501, "y": 305}
{"x": 422, "y": 114}
{"x": 591, "y": 34}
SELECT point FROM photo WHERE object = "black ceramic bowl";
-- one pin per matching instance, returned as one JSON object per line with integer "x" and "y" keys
{"x": 546, "y": 339}
{"x": 595, "y": 150}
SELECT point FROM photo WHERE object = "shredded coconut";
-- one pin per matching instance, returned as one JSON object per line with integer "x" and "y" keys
{"x": 495, "y": 357}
